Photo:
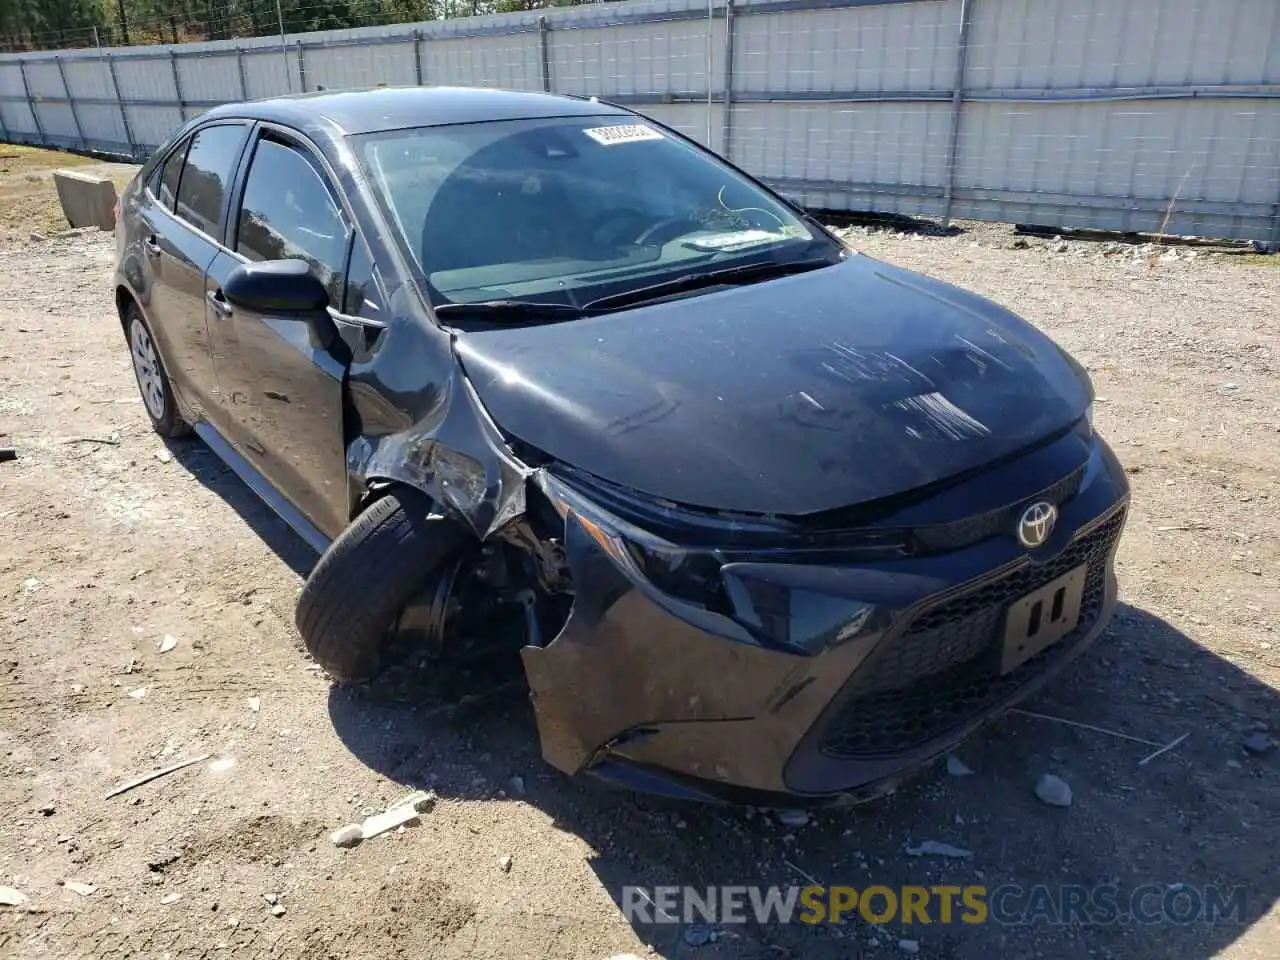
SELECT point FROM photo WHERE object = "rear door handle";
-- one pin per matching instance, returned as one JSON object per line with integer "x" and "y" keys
{"x": 219, "y": 303}
{"x": 152, "y": 246}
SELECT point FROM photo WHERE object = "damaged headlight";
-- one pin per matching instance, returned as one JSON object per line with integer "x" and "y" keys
{"x": 786, "y": 591}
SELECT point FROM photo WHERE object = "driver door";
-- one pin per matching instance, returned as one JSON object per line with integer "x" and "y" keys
{"x": 282, "y": 387}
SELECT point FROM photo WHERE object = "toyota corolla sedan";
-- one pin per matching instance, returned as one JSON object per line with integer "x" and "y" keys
{"x": 770, "y": 521}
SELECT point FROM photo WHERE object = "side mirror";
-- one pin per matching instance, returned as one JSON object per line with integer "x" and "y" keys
{"x": 276, "y": 286}
{"x": 286, "y": 289}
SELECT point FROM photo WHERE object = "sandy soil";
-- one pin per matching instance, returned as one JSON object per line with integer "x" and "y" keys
{"x": 109, "y": 541}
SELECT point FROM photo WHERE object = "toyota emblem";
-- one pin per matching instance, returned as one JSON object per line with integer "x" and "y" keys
{"x": 1036, "y": 524}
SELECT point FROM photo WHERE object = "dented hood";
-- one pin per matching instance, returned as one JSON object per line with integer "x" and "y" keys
{"x": 806, "y": 393}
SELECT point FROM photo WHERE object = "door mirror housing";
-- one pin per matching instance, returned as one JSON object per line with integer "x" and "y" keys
{"x": 276, "y": 287}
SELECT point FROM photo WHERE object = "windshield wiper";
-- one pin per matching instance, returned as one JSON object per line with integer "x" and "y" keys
{"x": 708, "y": 278}
{"x": 515, "y": 309}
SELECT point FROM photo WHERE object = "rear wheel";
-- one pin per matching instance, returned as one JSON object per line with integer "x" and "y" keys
{"x": 153, "y": 379}
{"x": 370, "y": 573}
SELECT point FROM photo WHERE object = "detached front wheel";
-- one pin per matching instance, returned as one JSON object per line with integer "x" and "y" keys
{"x": 375, "y": 568}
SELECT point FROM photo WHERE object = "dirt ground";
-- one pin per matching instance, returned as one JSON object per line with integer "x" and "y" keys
{"x": 110, "y": 541}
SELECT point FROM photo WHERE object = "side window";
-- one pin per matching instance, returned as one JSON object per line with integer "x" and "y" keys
{"x": 361, "y": 298}
{"x": 165, "y": 183}
{"x": 210, "y": 162}
{"x": 288, "y": 212}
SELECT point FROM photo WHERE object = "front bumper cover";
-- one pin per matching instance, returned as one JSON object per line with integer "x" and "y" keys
{"x": 653, "y": 693}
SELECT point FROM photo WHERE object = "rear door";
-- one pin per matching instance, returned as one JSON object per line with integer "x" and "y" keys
{"x": 183, "y": 232}
{"x": 282, "y": 389}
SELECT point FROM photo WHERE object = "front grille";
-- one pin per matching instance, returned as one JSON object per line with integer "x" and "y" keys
{"x": 944, "y": 668}
{"x": 961, "y": 533}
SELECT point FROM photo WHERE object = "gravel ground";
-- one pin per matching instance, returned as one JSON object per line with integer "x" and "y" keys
{"x": 112, "y": 541}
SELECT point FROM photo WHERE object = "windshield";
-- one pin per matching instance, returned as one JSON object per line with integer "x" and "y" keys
{"x": 569, "y": 210}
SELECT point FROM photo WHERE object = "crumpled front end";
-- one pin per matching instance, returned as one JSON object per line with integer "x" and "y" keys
{"x": 827, "y": 665}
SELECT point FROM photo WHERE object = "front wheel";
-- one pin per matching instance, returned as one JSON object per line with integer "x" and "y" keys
{"x": 369, "y": 574}
{"x": 153, "y": 380}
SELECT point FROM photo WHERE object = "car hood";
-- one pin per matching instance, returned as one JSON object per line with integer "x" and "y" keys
{"x": 797, "y": 395}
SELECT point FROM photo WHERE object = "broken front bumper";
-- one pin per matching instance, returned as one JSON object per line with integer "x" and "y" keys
{"x": 658, "y": 694}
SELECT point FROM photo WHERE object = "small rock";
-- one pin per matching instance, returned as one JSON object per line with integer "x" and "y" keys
{"x": 517, "y": 785}
{"x": 157, "y": 862}
{"x": 83, "y": 889}
{"x": 793, "y": 818}
{"x": 31, "y": 584}
{"x": 697, "y": 934}
{"x": 909, "y": 946}
{"x": 1053, "y": 791}
{"x": 12, "y": 897}
{"x": 48, "y": 810}
{"x": 957, "y": 767}
{"x": 504, "y": 863}
{"x": 164, "y": 456}
{"x": 222, "y": 764}
{"x": 1063, "y": 247}
{"x": 139, "y": 693}
{"x": 1231, "y": 387}
{"x": 168, "y": 643}
{"x": 169, "y": 898}
{"x": 1259, "y": 744}
{"x": 36, "y": 237}
{"x": 935, "y": 848}
{"x": 348, "y": 836}
{"x": 277, "y": 910}
{"x": 255, "y": 704}
{"x": 1020, "y": 243}
{"x": 271, "y": 898}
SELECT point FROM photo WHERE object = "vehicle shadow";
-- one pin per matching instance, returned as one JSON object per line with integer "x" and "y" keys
{"x": 209, "y": 469}
{"x": 1200, "y": 814}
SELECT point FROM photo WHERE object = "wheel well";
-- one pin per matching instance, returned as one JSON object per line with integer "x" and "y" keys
{"x": 124, "y": 300}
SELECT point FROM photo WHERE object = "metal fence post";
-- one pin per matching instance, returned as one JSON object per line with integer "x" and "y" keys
{"x": 302, "y": 67}
{"x": 177, "y": 86}
{"x": 244, "y": 79}
{"x": 544, "y": 48}
{"x": 31, "y": 102}
{"x": 124, "y": 114}
{"x": 957, "y": 104}
{"x": 71, "y": 102}
{"x": 726, "y": 129}
{"x": 417, "y": 56}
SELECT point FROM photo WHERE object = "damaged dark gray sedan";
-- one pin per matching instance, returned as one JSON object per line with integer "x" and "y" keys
{"x": 777, "y": 522}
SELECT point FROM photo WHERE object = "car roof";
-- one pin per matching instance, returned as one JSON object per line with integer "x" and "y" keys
{"x": 396, "y": 108}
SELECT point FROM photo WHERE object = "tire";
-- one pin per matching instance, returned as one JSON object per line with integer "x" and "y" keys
{"x": 152, "y": 377}
{"x": 367, "y": 576}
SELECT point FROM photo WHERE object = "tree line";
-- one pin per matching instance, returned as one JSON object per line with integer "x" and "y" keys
{"x": 54, "y": 24}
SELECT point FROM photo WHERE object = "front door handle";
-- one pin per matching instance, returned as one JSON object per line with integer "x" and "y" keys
{"x": 219, "y": 303}
{"x": 152, "y": 246}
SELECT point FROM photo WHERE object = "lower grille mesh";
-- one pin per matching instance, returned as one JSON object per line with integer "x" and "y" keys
{"x": 944, "y": 668}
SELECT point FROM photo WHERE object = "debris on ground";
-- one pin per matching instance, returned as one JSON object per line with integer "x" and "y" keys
{"x": 169, "y": 898}
{"x": 222, "y": 764}
{"x": 348, "y": 836}
{"x": 12, "y": 897}
{"x": 8, "y": 453}
{"x": 47, "y": 810}
{"x": 255, "y": 704}
{"x": 379, "y": 823}
{"x": 158, "y": 861}
{"x": 164, "y": 456}
{"x": 504, "y": 863}
{"x": 1259, "y": 744}
{"x": 935, "y": 848}
{"x": 168, "y": 643}
{"x": 957, "y": 767}
{"x": 111, "y": 441}
{"x": 909, "y": 946}
{"x": 156, "y": 775}
{"x": 83, "y": 889}
{"x": 698, "y": 934}
{"x": 1053, "y": 791}
{"x": 139, "y": 693}
{"x": 277, "y": 910}
{"x": 793, "y": 818}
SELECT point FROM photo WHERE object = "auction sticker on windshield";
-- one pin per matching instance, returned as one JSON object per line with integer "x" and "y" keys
{"x": 624, "y": 133}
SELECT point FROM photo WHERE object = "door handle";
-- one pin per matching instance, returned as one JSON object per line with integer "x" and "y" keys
{"x": 219, "y": 303}
{"x": 152, "y": 246}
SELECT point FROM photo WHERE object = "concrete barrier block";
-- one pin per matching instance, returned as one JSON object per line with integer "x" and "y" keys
{"x": 87, "y": 201}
